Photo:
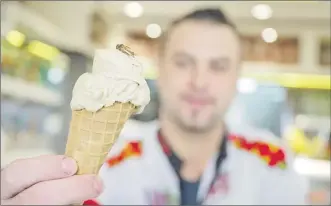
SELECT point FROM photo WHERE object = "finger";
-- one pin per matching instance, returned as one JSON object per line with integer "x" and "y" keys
{"x": 25, "y": 172}
{"x": 66, "y": 191}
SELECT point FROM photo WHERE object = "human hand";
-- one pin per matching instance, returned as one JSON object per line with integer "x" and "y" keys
{"x": 46, "y": 180}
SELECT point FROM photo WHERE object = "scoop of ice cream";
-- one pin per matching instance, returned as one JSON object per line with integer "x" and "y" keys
{"x": 115, "y": 77}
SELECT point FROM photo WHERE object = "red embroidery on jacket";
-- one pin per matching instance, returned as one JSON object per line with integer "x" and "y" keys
{"x": 91, "y": 202}
{"x": 132, "y": 149}
{"x": 273, "y": 155}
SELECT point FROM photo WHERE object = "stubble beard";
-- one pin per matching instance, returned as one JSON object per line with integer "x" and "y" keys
{"x": 193, "y": 127}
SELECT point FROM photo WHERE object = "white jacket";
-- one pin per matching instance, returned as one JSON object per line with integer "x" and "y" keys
{"x": 143, "y": 176}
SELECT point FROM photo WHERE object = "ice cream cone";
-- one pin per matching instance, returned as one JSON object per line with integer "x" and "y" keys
{"x": 92, "y": 134}
{"x": 102, "y": 101}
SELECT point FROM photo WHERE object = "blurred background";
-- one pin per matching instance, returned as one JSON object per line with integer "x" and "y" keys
{"x": 285, "y": 85}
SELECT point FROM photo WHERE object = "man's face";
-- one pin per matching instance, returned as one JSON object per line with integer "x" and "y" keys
{"x": 198, "y": 74}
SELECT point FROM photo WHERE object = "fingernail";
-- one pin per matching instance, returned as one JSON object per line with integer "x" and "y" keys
{"x": 69, "y": 166}
{"x": 98, "y": 185}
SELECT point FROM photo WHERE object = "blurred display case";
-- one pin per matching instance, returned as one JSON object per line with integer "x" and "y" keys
{"x": 31, "y": 70}
{"x": 32, "y": 61}
{"x": 31, "y": 94}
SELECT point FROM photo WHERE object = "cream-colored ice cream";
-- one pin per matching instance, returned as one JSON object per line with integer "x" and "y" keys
{"x": 102, "y": 101}
{"x": 115, "y": 77}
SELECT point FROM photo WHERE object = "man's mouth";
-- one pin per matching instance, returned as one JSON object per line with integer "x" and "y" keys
{"x": 198, "y": 101}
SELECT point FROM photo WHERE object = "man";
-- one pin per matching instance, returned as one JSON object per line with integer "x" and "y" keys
{"x": 193, "y": 158}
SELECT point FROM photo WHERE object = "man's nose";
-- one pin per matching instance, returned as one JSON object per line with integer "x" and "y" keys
{"x": 198, "y": 80}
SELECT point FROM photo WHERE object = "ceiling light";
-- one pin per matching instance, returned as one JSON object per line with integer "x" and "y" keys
{"x": 153, "y": 31}
{"x": 133, "y": 9}
{"x": 55, "y": 75}
{"x": 269, "y": 35}
{"x": 261, "y": 11}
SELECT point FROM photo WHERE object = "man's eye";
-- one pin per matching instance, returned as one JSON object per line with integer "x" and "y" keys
{"x": 218, "y": 68}
{"x": 182, "y": 63}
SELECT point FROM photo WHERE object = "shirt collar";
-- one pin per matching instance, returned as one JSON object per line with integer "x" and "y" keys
{"x": 176, "y": 162}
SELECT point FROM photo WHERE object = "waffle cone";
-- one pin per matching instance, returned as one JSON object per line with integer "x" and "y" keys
{"x": 92, "y": 134}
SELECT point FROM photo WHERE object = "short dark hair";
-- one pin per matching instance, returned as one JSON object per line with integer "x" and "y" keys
{"x": 211, "y": 15}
